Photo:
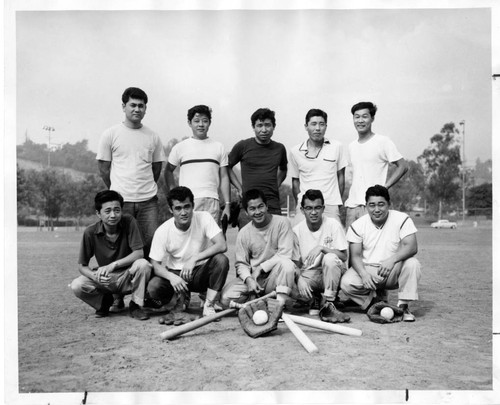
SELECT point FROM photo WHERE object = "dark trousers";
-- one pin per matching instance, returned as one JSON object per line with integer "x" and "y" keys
{"x": 212, "y": 274}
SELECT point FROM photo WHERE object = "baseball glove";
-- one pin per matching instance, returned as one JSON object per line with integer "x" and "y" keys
{"x": 177, "y": 318}
{"x": 274, "y": 309}
{"x": 374, "y": 313}
{"x": 331, "y": 314}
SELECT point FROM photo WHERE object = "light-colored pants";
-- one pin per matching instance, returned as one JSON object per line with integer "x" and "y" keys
{"x": 404, "y": 276}
{"x": 352, "y": 214}
{"x": 331, "y": 211}
{"x": 121, "y": 282}
{"x": 210, "y": 205}
{"x": 325, "y": 279}
{"x": 281, "y": 278}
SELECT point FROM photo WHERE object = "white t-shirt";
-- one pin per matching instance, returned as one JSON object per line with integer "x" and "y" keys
{"x": 176, "y": 247}
{"x": 380, "y": 243}
{"x": 370, "y": 162}
{"x": 131, "y": 153}
{"x": 330, "y": 235}
{"x": 319, "y": 173}
{"x": 199, "y": 161}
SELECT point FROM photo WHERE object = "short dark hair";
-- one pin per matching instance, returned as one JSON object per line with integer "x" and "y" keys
{"x": 377, "y": 191}
{"x": 263, "y": 114}
{"x": 312, "y": 195}
{"x": 134, "y": 92}
{"x": 200, "y": 109}
{"x": 180, "y": 194}
{"x": 106, "y": 196}
{"x": 316, "y": 112}
{"x": 365, "y": 104}
{"x": 252, "y": 194}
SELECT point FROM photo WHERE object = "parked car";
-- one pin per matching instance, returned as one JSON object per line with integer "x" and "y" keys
{"x": 444, "y": 223}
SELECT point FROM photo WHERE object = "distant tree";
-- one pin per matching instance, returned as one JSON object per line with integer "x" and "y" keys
{"x": 75, "y": 156}
{"x": 482, "y": 172}
{"x": 52, "y": 188}
{"x": 409, "y": 189}
{"x": 442, "y": 163}
{"x": 78, "y": 201}
{"x": 479, "y": 200}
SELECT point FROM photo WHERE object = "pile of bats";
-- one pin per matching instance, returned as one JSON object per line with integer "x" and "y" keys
{"x": 291, "y": 322}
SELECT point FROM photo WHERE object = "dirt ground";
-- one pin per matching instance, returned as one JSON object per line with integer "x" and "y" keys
{"x": 63, "y": 348}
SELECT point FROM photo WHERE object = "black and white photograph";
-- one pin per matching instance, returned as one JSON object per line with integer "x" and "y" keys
{"x": 253, "y": 202}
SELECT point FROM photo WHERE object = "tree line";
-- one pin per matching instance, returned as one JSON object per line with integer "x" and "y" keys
{"x": 433, "y": 182}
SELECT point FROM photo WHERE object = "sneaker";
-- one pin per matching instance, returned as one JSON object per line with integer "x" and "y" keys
{"x": 407, "y": 315}
{"x": 135, "y": 311}
{"x": 331, "y": 314}
{"x": 107, "y": 300}
{"x": 315, "y": 305}
{"x": 209, "y": 309}
{"x": 118, "y": 305}
{"x": 217, "y": 307}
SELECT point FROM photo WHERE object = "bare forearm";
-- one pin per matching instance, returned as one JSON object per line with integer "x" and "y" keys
{"x": 225, "y": 185}
{"x": 105, "y": 172}
{"x": 86, "y": 271}
{"x": 169, "y": 176}
{"x": 233, "y": 178}
{"x": 401, "y": 169}
{"x": 341, "y": 181}
{"x": 295, "y": 189}
{"x": 160, "y": 270}
{"x": 281, "y": 176}
{"x": 341, "y": 254}
{"x": 156, "y": 167}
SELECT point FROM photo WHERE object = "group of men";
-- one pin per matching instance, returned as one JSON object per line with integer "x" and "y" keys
{"x": 306, "y": 262}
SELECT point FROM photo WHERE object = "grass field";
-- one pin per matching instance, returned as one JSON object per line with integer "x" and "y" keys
{"x": 63, "y": 348}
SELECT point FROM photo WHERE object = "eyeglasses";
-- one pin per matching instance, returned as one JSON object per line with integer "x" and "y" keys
{"x": 310, "y": 209}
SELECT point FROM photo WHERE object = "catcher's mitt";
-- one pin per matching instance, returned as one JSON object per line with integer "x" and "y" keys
{"x": 374, "y": 313}
{"x": 274, "y": 309}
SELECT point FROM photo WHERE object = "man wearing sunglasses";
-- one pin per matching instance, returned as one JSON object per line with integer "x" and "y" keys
{"x": 319, "y": 164}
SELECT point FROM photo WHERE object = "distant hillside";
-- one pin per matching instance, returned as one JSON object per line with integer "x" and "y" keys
{"x": 30, "y": 165}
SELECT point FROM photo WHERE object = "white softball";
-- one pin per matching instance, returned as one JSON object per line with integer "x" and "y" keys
{"x": 387, "y": 313}
{"x": 260, "y": 317}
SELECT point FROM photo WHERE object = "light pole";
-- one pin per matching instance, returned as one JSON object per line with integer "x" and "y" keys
{"x": 49, "y": 129}
{"x": 462, "y": 123}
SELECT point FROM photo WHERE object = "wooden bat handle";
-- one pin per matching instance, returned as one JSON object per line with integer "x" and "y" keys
{"x": 330, "y": 327}
{"x": 299, "y": 334}
{"x": 237, "y": 305}
{"x": 198, "y": 323}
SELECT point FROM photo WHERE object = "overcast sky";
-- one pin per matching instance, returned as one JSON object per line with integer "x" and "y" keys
{"x": 423, "y": 68}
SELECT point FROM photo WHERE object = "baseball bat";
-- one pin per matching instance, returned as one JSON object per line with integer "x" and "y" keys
{"x": 198, "y": 323}
{"x": 299, "y": 334}
{"x": 326, "y": 326}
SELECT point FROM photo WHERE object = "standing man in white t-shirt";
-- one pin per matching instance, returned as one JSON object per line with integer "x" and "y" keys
{"x": 318, "y": 164}
{"x": 382, "y": 248}
{"x": 322, "y": 246}
{"x": 130, "y": 157}
{"x": 370, "y": 156}
{"x": 203, "y": 165}
{"x": 187, "y": 255}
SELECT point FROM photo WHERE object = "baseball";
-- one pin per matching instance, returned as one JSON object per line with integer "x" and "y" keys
{"x": 387, "y": 313}
{"x": 260, "y": 317}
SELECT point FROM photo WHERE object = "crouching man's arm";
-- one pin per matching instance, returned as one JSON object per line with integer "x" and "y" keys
{"x": 369, "y": 280}
{"x": 408, "y": 247}
{"x": 218, "y": 246}
{"x": 178, "y": 283}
